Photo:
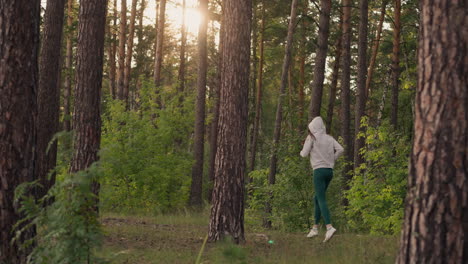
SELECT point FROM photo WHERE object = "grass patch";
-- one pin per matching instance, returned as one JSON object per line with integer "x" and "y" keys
{"x": 178, "y": 238}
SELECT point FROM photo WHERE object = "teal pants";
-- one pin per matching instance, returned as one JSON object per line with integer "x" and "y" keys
{"x": 322, "y": 178}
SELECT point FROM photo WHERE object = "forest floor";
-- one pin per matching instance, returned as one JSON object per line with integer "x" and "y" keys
{"x": 179, "y": 239}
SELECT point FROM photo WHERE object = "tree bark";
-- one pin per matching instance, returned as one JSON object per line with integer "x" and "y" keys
{"x": 129, "y": 52}
{"x": 396, "y": 64}
{"x": 320, "y": 59}
{"x": 227, "y": 211}
{"x": 67, "y": 126}
{"x": 334, "y": 82}
{"x": 360, "y": 108}
{"x": 121, "y": 57}
{"x": 302, "y": 60}
{"x": 214, "y": 124}
{"x": 159, "y": 48}
{"x": 112, "y": 52}
{"x": 19, "y": 43}
{"x": 183, "y": 43}
{"x": 345, "y": 92}
{"x": 435, "y": 228}
{"x": 279, "y": 107}
{"x": 89, "y": 62}
{"x": 375, "y": 48}
{"x": 48, "y": 99}
{"x": 258, "y": 97}
{"x": 199, "y": 137}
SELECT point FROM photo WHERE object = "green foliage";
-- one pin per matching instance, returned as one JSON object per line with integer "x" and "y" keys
{"x": 68, "y": 230}
{"x": 378, "y": 188}
{"x": 145, "y": 156}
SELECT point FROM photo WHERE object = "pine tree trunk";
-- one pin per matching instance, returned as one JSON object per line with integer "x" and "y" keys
{"x": 334, "y": 81}
{"x": 48, "y": 99}
{"x": 68, "y": 65}
{"x": 435, "y": 228}
{"x": 19, "y": 42}
{"x": 159, "y": 49}
{"x": 140, "y": 65}
{"x": 396, "y": 64}
{"x": 279, "y": 107}
{"x": 360, "y": 107}
{"x": 258, "y": 97}
{"x": 253, "y": 79}
{"x": 375, "y": 48}
{"x": 112, "y": 51}
{"x": 227, "y": 211}
{"x": 302, "y": 60}
{"x": 89, "y": 67}
{"x": 129, "y": 52}
{"x": 183, "y": 43}
{"x": 199, "y": 137}
{"x": 320, "y": 59}
{"x": 121, "y": 57}
{"x": 345, "y": 91}
{"x": 214, "y": 124}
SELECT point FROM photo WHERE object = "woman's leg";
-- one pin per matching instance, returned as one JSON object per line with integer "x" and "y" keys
{"x": 318, "y": 215}
{"x": 322, "y": 178}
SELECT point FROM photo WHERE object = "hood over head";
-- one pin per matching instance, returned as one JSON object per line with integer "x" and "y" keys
{"x": 317, "y": 126}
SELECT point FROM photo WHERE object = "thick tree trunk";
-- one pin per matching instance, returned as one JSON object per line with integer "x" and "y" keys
{"x": 345, "y": 92}
{"x": 199, "y": 137}
{"x": 279, "y": 107}
{"x": 214, "y": 124}
{"x": 122, "y": 40}
{"x": 320, "y": 59}
{"x": 360, "y": 107}
{"x": 89, "y": 62}
{"x": 258, "y": 97}
{"x": 183, "y": 44}
{"x": 48, "y": 99}
{"x": 435, "y": 229}
{"x": 375, "y": 48}
{"x": 159, "y": 49}
{"x": 334, "y": 81}
{"x": 68, "y": 66}
{"x": 396, "y": 64}
{"x": 129, "y": 52}
{"x": 227, "y": 211}
{"x": 19, "y": 43}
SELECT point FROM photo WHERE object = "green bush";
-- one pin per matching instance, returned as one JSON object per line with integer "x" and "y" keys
{"x": 146, "y": 157}
{"x": 378, "y": 188}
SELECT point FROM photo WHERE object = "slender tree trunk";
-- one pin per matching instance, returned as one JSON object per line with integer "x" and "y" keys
{"x": 375, "y": 48}
{"x": 396, "y": 64}
{"x": 68, "y": 65}
{"x": 48, "y": 99}
{"x": 19, "y": 42}
{"x": 302, "y": 60}
{"x": 435, "y": 229}
{"x": 360, "y": 107}
{"x": 122, "y": 40}
{"x": 253, "y": 80}
{"x": 345, "y": 92}
{"x": 217, "y": 100}
{"x": 129, "y": 53}
{"x": 227, "y": 211}
{"x": 279, "y": 107}
{"x": 112, "y": 51}
{"x": 199, "y": 137}
{"x": 140, "y": 66}
{"x": 258, "y": 97}
{"x": 89, "y": 62}
{"x": 334, "y": 82}
{"x": 159, "y": 50}
{"x": 320, "y": 59}
{"x": 183, "y": 43}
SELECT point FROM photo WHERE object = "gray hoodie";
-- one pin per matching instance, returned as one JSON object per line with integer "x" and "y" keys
{"x": 324, "y": 150}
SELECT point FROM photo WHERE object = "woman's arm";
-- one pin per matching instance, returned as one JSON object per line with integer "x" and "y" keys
{"x": 307, "y": 146}
{"x": 338, "y": 149}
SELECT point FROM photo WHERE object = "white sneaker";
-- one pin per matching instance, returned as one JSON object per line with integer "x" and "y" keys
{"x": 329, "y": 234}
{"x": 313, "y": 232}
